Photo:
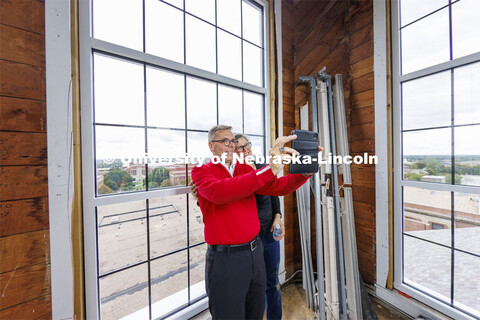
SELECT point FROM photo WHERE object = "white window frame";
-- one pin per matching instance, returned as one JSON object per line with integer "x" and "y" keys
{"x": 87, "y": 45}
{"x": 397, "y": 79}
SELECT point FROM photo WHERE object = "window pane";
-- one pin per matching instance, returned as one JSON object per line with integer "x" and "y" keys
{"x": 109, "y": 18}
{"x": 228, "y": 15}
{"x": 119, "y": 92}
{"x": 427, "y": 155}
{"x": 166, "y": 152}
{"x": 197, "y": 271}
{"x": 467, "y": 283}
{"x": 411, "y": 10}
{"x": 426, "y": 42}
{"x": 125, "y": 293}
{"x": 196, "y": 223}
{"x": 426, "y": 102}
{"x": 427, "y": 267}
{"x": 229, "y": 55}
{"x": 230, "y": 107}
{"x": 467, "y": 222}
{"x": 198, "y": 145}
{"x": 165, "y": 99}
{"x": 120, "y": 154}
{"x": 252, "y": 23}
{"x": 200, "y": 44}
{"x": 427, "y": 214}
{"x": 465, "y": 15}
{"x": 204, "y": 9}
{"x": 163, "y": 30}
{"x": 257, "y": 145}
{"x": 253, "y": 113}
{"x": 168, "y": 224}
{"x": 122, "y": 235}
{"x": 169, "y": 283}
{"x": 467, "y": 155}
{"x": 466, "y": 94}
{"x": 201, "y": 104}
{"x": 252, "y": 64}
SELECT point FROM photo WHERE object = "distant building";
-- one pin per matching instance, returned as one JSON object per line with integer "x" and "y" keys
{"x": 136, "y": 170}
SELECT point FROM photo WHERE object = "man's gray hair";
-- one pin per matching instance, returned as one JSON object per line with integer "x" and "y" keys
{"x": 240, "y": 135}
{"x": 214, "y": 129}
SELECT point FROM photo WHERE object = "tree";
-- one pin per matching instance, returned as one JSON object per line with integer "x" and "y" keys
{"x": 117, "y": 178}
{"x": 166, "y": 183}
{"x": 158, "y": 175}
{"x": 104, "y": 189}
{"x": 414, "y": 176}
{"x": 418, "y": 165}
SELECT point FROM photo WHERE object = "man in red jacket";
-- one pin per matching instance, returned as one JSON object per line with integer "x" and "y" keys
{"x": 235, "y": 274}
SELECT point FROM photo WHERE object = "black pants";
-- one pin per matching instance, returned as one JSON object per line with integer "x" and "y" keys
{"x": 235, "y": 284}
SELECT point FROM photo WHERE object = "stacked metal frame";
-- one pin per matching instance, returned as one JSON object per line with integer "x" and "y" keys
{"x": 334, "y": 221}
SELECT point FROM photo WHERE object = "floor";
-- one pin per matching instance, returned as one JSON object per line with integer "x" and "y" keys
{"x": 295, "y": 307}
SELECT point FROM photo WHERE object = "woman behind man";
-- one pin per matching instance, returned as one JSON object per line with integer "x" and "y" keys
{"x": 268, "y": 208}
{"x": 269, "y": 214}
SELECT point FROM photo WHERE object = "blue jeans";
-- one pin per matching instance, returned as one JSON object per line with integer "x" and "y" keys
{"x": 271, "y": 255}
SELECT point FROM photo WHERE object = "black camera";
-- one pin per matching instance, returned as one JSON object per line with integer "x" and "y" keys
{"x": 307, "y": 145}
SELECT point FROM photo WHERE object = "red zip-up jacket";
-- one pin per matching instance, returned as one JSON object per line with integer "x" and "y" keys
{"x": 228, "y": 203}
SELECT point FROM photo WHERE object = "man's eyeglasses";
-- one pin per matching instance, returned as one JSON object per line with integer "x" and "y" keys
{"x": 242, "y": 148}
{"x": 227, "y": 142}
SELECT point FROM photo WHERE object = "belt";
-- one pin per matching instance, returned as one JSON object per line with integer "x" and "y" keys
{"x": 250, "y": 246}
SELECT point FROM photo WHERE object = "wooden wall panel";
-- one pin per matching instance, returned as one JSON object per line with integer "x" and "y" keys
{"x": 24, "y": 284}
{"x": 22, "y": 46}
{"x": 33, "y": 309}
{"x": 22, "y": 115}
{"x": 23, "y": 182}
{"x": 338, "y": 35}
{"x": 20, "y": 216}
{"x": 26, "y": 15}
{"x": 24, "y": 224}
{"x": 22, "y": 81}
{"x": 24, "y": 249}
{"x": 23, "y": 148}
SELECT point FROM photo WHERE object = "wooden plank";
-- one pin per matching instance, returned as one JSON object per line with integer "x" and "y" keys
{"x": 22, "y": 81}
{"x": 23, "y": 182}
{"x": 24, "y": 249}
{"x": 367, "y": 266}
{"x": 33, "y": 309}
{"x": 361, "y": 36}
{"x": 362, "y": 67}
{"x": 363, "y": 99}
{"x": 24, "y": 284}
{"x": 360, "y": 146}
{"x": 361, "y": 52}
{"x": 317, "y": 14}
{"x": 287, "y": 130}
{"x": 363, "y": 131}
{"x": 314, "y": 62}
{"x": 326, "y": 35}
{"x": 22, "y": 115}
{"x": 22, "y": 46}
{"x": 20, "y": 216}
{"x": 26, "y": 14}
{"x": 363, "y": 194}
{"x": 363, "y": 176}
{"x": 289, "y": 118}
{"x": 21, "y": 148}
{"x": 363, "y": 83}
{"x": 362, "y": 17}
{"x": 362, "y": 115}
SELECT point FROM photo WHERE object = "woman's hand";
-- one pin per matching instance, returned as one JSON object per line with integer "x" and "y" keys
{"x": 278, "y": 219}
